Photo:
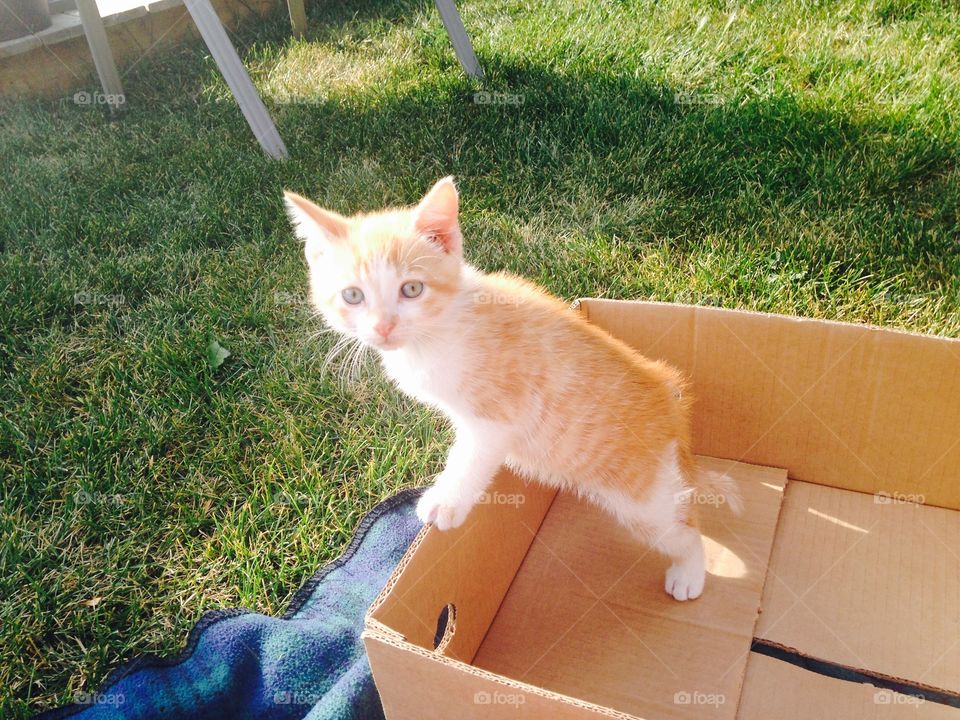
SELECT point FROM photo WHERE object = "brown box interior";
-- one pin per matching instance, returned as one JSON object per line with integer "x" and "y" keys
{"x": 845, "y": 580}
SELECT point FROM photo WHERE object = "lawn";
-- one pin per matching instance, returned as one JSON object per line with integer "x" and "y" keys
{"x": 797, "y": 157}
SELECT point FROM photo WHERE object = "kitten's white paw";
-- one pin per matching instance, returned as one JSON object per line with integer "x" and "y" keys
{"x": 444, "y": 509}
{"x": 685, "y": 582}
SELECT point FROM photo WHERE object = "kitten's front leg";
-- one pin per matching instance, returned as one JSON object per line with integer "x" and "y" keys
{"x": 472, "y": 461}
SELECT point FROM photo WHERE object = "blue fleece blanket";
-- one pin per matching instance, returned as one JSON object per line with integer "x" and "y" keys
{"x": 239, "y": 664}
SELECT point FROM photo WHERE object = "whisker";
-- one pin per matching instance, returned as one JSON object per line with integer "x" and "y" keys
{"x": 346, "y": 372}
{"x": 357, "y": 363}
{"x": 341, "y": 346}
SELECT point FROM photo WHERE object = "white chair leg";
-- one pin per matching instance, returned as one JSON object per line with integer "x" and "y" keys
{"x": 102, "y": 55}
{"x": 298, "y": 17}
{"x": 458, "y": 37}
{"x": 237, "y": 78}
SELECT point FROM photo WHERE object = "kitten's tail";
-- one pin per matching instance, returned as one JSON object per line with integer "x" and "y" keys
{"x": 718, "y": 488}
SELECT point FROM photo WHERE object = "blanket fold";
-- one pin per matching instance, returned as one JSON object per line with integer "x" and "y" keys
{"x": 240, "y": 665}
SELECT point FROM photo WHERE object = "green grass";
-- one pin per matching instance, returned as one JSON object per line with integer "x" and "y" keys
{"x": 797, "y": 157}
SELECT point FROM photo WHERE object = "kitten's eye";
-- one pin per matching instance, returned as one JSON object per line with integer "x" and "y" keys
{"x": 352, "y": 296}
{"x": 411, "y": 289}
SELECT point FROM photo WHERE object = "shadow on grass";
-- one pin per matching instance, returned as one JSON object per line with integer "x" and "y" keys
{"x": 623, "y": 158}
{"x": 762, "y": 168}
{"x": 547, "y": 135}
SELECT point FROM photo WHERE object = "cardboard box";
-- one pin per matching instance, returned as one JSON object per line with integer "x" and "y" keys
{"x": 835, "y": 594}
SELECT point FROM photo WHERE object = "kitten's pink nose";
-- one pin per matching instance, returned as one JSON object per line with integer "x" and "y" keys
{"x": 384, "y": 327}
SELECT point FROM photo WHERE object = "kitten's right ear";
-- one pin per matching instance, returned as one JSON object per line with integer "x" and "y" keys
{"x": 436, "y": 216}
{"x": 318, "y": 228}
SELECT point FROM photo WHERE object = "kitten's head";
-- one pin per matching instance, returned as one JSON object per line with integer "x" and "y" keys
{"x": 385, "y": 278}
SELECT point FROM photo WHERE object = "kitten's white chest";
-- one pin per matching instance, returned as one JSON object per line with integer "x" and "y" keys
{"x": 432, "y": 378}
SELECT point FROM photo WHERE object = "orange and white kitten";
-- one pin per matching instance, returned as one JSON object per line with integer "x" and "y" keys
{"x": 524, "y": 380}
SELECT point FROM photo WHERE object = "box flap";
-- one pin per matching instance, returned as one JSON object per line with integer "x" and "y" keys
{"x": 867, "y": 582}
{"x": 776, "y": 690}
{"x": 845, "y": 405}
{"x": 416, "y": 684}
{"x": 587, "y": 615}
{"x": 469, "y": 568}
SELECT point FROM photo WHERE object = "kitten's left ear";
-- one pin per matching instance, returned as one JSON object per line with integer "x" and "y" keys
{"x": 318, "y": 228}
{"x": 436, "y": 216}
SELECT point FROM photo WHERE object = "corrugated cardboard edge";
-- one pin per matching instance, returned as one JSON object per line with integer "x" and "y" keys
{"x": 851, "y": 673}
{"x": 782, "y": 691}
{"x": 389, "y": 638}
{"x": 582, "y": 305}
{"x": 394, "y": 577}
